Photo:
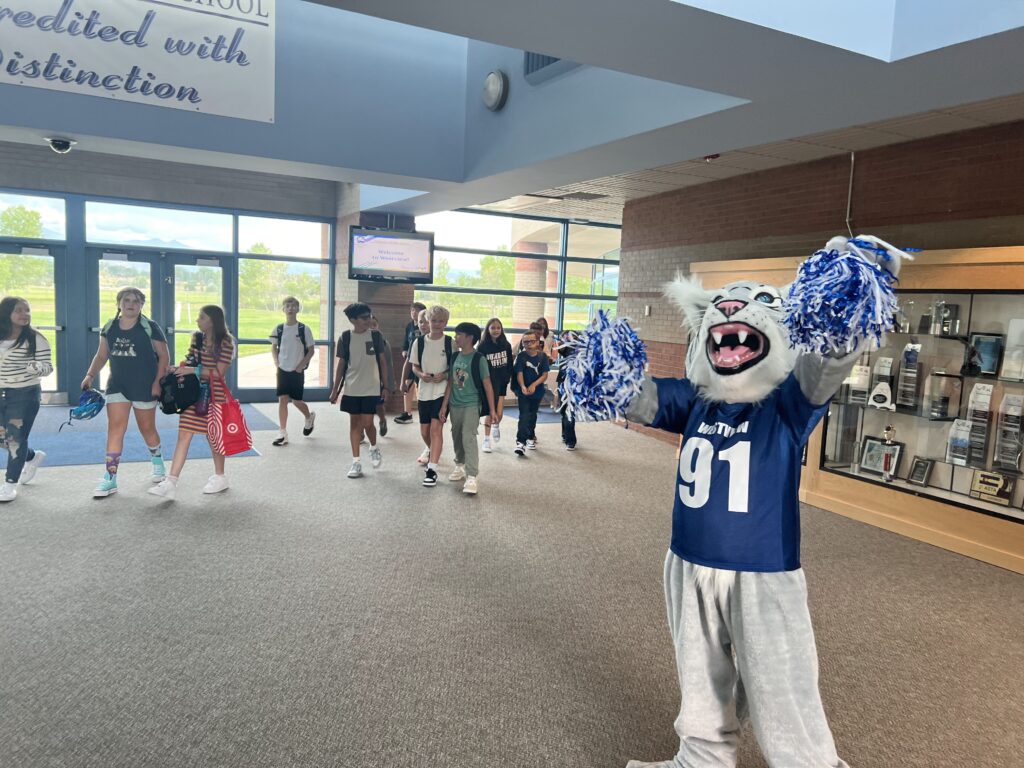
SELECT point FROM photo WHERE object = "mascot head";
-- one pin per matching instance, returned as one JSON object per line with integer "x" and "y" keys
{"x": 739, "y": 351}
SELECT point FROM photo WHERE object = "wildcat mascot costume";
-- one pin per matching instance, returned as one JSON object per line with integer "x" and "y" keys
{"x": 762, "y": 365}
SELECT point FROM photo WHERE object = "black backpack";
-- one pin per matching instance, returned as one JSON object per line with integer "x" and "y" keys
{"x": 279, "y": 331}
{"x": 474, "y": 368}
{"x": 178, "y": 394}
{"x": 449, "y": 352}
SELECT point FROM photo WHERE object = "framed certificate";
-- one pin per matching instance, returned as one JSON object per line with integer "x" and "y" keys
{"x": 993, "y": 487}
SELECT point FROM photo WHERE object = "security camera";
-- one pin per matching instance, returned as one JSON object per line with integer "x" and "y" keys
{"x": 59, "y": 145}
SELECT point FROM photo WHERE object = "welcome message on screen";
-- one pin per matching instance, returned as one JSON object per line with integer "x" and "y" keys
{"x": 390, "y": 254}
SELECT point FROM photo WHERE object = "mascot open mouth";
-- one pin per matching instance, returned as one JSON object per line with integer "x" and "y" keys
{"x": 735, "y": 347}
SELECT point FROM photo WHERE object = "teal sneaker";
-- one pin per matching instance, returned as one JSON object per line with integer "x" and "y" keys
{"x": 106, "y": 486}
{"x": 159, "y": 471}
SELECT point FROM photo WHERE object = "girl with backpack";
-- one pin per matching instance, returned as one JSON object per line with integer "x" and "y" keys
{"x": 137, "y": 350}
{"x": 498, "y": 351}
{"x": 24, "y": 360}
{"x": 209, "y": 357}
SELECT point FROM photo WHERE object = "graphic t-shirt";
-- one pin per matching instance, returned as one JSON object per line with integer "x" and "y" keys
{"x": 736, "y": 503}
{"x": 290, "y": 350}
{"x": 434, "y": 361}
{"x": 133, "y": 362}
{"x": 499, "y": 358}
{"x": 532, "y": 369}
{"x": 464, "y": 391}
{"x": 362, "y": 376}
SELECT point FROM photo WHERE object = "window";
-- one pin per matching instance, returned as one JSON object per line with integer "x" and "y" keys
{"x": 284, "y": 237}
{"x": 168, "y": 228}
{"x": 590, "y": 242}
{"x": 31, "y": 218}
{"x": 488, "y": 265}
{"x": 483, "y": 232}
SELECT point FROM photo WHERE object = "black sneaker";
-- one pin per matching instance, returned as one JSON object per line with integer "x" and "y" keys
{"x": 403, "y": 418}
{"x": 430, "y": 478}
{"x": 520, "y": 449}
{"x": 307, "y": 427}
{"x": 384, "y": 427}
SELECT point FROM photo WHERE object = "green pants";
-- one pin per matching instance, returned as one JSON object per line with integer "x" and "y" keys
{"x": 464, "y": 424}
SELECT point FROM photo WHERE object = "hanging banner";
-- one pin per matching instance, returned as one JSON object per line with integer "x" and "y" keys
{"x": 210, "y": 56}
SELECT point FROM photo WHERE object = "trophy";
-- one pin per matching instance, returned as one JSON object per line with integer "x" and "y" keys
{"x": 888, "y": 453}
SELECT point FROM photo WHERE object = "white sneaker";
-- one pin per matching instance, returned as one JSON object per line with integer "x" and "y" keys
{"x": 375, "y": 457}
{"x": 216, "y": 484}
{"x": 496, "y": 434}
{"x": 164, "y": 488}
{"x": 8, "y": 492}
{"x": 281, "y": 439}
{"x": 470, "y": 486}
{"x": 29, "y": 470}
{"x": 459, "y": 473}
{"x": 531, "y": 445}
{"x": 307, "y": 428}
{"x": 356, "y": 470}
{"x": 486, "y": 447}
{"x": 424, "y": 457}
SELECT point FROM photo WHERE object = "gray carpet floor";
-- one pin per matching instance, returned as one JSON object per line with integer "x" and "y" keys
{"x": 305, "y": 620}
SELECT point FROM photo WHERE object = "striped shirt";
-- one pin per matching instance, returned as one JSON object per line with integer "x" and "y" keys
{"x": 15, "y": 369}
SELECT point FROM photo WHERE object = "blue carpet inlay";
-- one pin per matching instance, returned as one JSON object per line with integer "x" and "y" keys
{"x": 85, "y": 442}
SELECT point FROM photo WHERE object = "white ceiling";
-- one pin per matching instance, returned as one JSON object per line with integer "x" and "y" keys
{"x": 806, "y": 99}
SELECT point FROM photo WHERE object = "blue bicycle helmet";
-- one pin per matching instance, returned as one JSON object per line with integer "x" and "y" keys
{"x": 90, "y": 403}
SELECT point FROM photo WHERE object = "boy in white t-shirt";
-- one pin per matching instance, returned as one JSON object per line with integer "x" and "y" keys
{"x": 292, "y": 349}
{"x": 431, "y": 357}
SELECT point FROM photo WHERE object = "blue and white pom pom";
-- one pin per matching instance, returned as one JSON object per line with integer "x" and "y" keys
{"x": 603, "y": 375}
{"x": 843, "y": 295}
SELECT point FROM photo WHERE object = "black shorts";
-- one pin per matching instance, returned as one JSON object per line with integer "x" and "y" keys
{"x": 430, "y": 410}
{"x": 357, "y": 405}
{"x": 291, "y": 383}
{"x": 500, "y": 388}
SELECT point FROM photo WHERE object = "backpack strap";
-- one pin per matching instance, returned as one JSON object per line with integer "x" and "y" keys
{"x": 478, "y": 382}
{"x": 302, "y": 338}
{"x": 448, "y": 352}
{"x": 420, "y": 344}
{"x": 345, "y": 351}
{"x": 147, "y": 326}
{"x": 377, "y": 339}
{"x": 278, "y": 333}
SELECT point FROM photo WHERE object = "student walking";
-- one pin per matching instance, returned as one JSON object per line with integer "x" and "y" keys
{"x": 530, "y": 371}
{"x": 431, "y": 358}
{"x": 412, "y": 331}
{"x": 496, "y": 348}
{"x": 388, "y": 380}
{"x": 24, "y": 361}
{"x": 468, "y": 395}
{"x": 209, "y": 357}
{"x": 292, "y": 349}
{"x": 360, "y": 364}
{"x": 137, "y": 350}
{"x": 408, "y": 377}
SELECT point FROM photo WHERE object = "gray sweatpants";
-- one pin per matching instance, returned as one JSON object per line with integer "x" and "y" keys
{"x": 746, "y": 650}
{"x": 464, "y": 425}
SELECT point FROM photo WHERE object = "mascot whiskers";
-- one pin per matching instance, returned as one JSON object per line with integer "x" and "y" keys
{"x": 761, "y": 367}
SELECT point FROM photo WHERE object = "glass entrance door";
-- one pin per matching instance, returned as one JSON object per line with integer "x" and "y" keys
{"x": 190, "y": 283}
{"x": 29, "y": 272}
{"x": 117, "y": 270}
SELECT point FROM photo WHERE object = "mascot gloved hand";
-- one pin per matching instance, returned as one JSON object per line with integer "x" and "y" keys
{"x": 761, "y": 367}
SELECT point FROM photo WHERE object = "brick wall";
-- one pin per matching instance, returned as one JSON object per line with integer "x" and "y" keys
{"x": 959, "y": 190}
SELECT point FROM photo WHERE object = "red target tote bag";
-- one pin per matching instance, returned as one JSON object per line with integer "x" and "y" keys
{"x": 225, "y": 424}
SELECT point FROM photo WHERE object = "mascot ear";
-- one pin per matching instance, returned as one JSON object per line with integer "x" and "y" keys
{"x": 691, "y": 298}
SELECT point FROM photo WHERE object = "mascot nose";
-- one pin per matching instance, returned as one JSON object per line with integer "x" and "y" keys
{"x": 730, "y": 307}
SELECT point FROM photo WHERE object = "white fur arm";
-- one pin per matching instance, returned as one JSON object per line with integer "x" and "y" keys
{"x": 644, "y": 407}
{"x": 821, "y": 377}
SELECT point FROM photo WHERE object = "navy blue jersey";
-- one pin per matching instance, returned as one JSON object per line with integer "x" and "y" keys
{"x": 737, "y": 504}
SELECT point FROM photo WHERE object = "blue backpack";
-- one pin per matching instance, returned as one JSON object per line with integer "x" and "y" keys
{"x": 90, "y": 403}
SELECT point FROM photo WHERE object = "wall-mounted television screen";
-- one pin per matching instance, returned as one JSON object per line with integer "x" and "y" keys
{"x": 390, "y": 255}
